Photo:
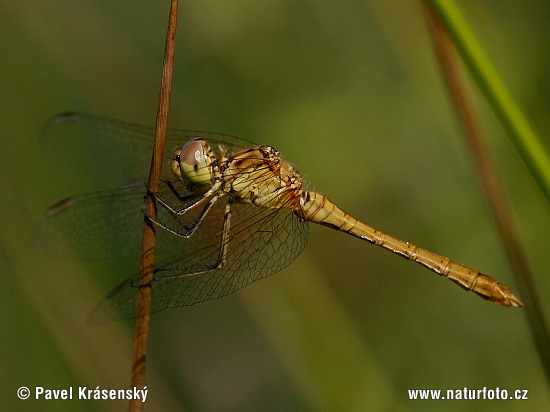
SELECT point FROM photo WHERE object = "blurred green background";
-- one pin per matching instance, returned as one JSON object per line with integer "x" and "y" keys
{"x": 349, "y": 92}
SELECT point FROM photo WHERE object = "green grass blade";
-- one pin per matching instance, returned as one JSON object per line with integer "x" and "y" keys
{"x": 521, "y": 132}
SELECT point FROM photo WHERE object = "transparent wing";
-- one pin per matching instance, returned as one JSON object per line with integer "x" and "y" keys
{"x": 109, "y": 224}
{"x": 98, "y": 225}
{"x": 113, "y": 151}
{"x": 254, "y": 243}
{"x": 258, "y": 242}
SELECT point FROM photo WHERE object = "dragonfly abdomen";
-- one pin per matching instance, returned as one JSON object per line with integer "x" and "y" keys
{"x": 318, "y": 208}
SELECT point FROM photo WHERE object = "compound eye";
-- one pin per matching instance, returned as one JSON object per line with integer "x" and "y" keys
{"x": 195, "y": 162}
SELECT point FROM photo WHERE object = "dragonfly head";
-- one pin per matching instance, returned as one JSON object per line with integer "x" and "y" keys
{"x": 193, "y": 162}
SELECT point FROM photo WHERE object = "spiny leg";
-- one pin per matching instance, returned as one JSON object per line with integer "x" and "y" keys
{"x": 222, "y": 251}
{"x": 190, "y": 231}
{"x": 176, "y": 213}
{"x": 188, "y": 207}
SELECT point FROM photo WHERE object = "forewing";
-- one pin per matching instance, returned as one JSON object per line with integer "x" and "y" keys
{"x": 113, "y": 151}
{"x": 108, "y": 224}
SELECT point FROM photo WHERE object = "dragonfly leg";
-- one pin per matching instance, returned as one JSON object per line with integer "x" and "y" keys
{"x": 181, "y": 198}
{"x": 188, "y": 207}
{"x": 188, "y": 231}
{"x": 222, "y": 254}
{"x": 222, "y": 257}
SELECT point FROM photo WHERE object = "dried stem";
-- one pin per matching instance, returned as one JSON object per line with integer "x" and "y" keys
{"x": 141, "y": 329}
{"x": 495, "y": 194}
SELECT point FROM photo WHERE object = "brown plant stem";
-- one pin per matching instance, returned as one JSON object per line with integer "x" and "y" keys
{"x": 495, "y": 194}
{"x": 141, "y": 329}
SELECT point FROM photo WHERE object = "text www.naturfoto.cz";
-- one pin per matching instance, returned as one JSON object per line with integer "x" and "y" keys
{"x": 467, "y": 394}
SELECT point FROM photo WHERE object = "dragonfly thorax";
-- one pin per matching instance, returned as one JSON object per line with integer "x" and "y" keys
{"x": 260, "y": 176}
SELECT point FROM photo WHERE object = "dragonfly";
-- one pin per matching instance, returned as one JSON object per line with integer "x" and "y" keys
{"x": 230, "y": 212}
